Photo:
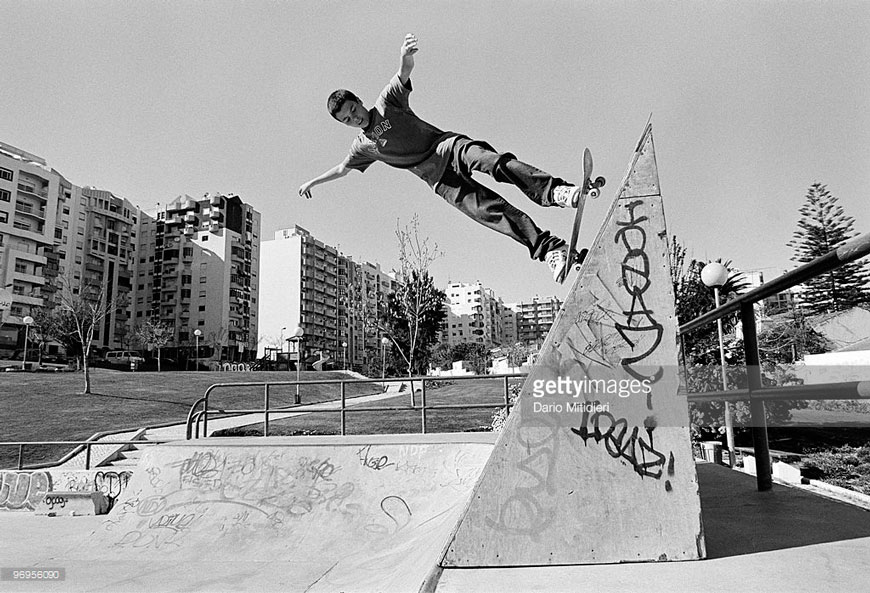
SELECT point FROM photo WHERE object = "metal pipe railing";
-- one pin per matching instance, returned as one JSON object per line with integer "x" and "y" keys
{"x": 849, "y": 251}
{"x": 86, "y": 444}
{"x": 198, "y": 416}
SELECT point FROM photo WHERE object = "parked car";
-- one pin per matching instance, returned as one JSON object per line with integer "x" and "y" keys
{"x": 123, "y": 357}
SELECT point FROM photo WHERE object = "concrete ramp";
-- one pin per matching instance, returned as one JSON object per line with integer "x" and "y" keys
{"x": 302, "y": 514}
{"x": 595, "y": 464}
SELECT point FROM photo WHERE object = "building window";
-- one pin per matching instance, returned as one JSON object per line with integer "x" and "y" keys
{"x": 5, "y": 196}
{"x": 4, "y": 217}
{"x": 5, "y": 174}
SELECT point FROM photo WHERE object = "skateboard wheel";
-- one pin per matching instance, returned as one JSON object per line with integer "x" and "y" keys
{"x": 600, "y": 181}
{"x": 594, "y": 193}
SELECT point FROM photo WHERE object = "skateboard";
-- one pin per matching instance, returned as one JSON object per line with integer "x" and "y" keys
{"x": 591, "y": 189}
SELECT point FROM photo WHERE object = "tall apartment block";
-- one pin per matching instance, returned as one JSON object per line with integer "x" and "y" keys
{"x": 535, "y": 318}
{"x": 198, "y": 269}
{"x": 308, "y": 284}
{"x": 32, "y": 197}
{"x": 474, "y": 315}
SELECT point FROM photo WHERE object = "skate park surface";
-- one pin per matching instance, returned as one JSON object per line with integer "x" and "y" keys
{"x": 373, "y": 514}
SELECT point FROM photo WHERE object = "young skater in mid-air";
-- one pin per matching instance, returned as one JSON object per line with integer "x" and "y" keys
{"x": 392, "y": 133}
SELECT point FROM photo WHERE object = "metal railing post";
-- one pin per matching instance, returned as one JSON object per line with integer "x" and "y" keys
{"x": 204, "y": 417}
{"x": 20, "y": 456}
{"x": 266, "y": 410}
{"x": 507, "y": 400}
{"x": 413, "y": 399}
{"x": 758, "y": 417}
{"x": 343, "y": 410}
{"x": 88, "y": 456}
{"x": 423, "y": 407}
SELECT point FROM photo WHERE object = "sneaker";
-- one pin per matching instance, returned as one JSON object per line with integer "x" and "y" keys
{"x": 566, "y": 196}
{"x": 556, "y": 260}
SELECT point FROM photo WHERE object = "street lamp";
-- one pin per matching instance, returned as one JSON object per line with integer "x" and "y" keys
{"x": 28, "y": 321}
{"x": 297, "y": 337}
{"x": 197, "y": 333}
{"x": 344, "y": 356}
{"x": 384, "y": 343}
{"x": 715, "y": 275}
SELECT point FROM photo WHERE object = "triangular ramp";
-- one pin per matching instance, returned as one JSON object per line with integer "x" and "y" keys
{"x": 595, "y": 463}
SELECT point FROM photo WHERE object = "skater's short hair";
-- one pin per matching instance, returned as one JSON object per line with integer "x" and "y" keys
{"x": 337, "y": 99}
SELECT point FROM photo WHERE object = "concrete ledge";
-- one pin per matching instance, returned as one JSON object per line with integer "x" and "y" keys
{"x": 72, "y": 503}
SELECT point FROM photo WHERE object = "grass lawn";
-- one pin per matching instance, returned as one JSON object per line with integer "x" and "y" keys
{"x": 51, "y": 407}
{"x": 404, "y": 421}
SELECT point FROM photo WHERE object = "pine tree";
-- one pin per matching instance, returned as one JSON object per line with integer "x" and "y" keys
{"x": 823, "y": 227}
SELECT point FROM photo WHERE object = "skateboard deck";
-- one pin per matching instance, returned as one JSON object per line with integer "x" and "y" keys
{"x": 591, "y": 189}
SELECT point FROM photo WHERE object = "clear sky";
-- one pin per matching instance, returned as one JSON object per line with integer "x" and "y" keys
{"x": 752, "y": 102}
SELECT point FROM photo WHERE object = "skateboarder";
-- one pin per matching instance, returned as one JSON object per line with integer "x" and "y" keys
{"x": 392, "y": 133}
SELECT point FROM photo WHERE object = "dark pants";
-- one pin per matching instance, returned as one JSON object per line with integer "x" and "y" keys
{"x": 487, "y": 207}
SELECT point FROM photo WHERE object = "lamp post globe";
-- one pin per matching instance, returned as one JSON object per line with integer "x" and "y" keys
{"x": 297, "y": 337}
{"x": 714, "y": 274}
{"x": 28, "y": 321}
{"x": 197, "y": 333}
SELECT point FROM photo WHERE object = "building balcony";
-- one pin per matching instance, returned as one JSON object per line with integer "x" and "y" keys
{"x": 29, "y": 210}
{"x": 31, "y": 190}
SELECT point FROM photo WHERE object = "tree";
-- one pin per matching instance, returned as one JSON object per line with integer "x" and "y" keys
{"x": 40, "y": 331}
{"x": 823, "y": 227}
{"x": 415, "y": 310}
{"x": 693, "y": 298}
{"x": 703, "y": 371}
{"x": 155, "y": 334}
{"x": 79, "y": 314}
{"x": 477, "y": 354}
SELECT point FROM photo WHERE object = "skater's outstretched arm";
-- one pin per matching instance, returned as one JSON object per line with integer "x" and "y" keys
{"x": 336, "y": 172}
{"x": 409, "y": 48}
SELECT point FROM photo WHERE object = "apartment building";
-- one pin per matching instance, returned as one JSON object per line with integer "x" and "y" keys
{"x": 31, "y": 195}
{"x": 103, "y": 250}
{"x": 534, "y": 318}
{"x": 787, "y": 300}
{"x": 198, "y": 269}
{"x": 310, "y": 285}
{"x": 474, "y": 315}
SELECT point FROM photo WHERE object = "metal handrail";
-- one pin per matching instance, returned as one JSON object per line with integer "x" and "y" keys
{"x": 852, "y": 250}
{"x": 86, "y": 444}
{"x": 756, "y": 393}
{"x": 195, "y": 416}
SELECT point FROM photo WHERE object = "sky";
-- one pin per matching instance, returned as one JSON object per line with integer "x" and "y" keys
{"x": 751, "y": 103}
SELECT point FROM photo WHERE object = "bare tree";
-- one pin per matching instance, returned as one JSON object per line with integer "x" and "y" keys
{"x": 80, "y": 314}
{"x": 415, "y": 310}
{"x": 155, "y": 334}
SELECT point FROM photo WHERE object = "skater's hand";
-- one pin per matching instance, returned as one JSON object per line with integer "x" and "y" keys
{"x": 305, "y": 190}
{"x": 409, "y": 47}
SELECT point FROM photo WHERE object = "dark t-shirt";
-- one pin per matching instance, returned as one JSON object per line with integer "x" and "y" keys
{"x": 397, "y": 137}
